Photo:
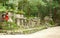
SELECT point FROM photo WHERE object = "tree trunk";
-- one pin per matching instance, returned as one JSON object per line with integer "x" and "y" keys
{"x": 55, "y": 15}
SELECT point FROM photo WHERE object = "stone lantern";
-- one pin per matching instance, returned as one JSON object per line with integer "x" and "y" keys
{"x": 20, "y": 18}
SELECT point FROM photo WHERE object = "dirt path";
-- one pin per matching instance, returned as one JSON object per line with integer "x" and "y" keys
{"x": 53, "y": 32}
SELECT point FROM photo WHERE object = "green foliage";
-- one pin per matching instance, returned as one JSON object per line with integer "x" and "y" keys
{"x": 31, "y": 8}
{"x": 2, "y": 8}
{"x": 9, "y": 26}
{"x": 2, "y": 1}
{"x": 21, "y": 12}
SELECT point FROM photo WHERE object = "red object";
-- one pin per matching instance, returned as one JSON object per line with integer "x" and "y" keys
{"x": 6, "y": 17}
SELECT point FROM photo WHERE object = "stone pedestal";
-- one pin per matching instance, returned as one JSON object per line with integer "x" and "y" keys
{"x": 18, "y": 22}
